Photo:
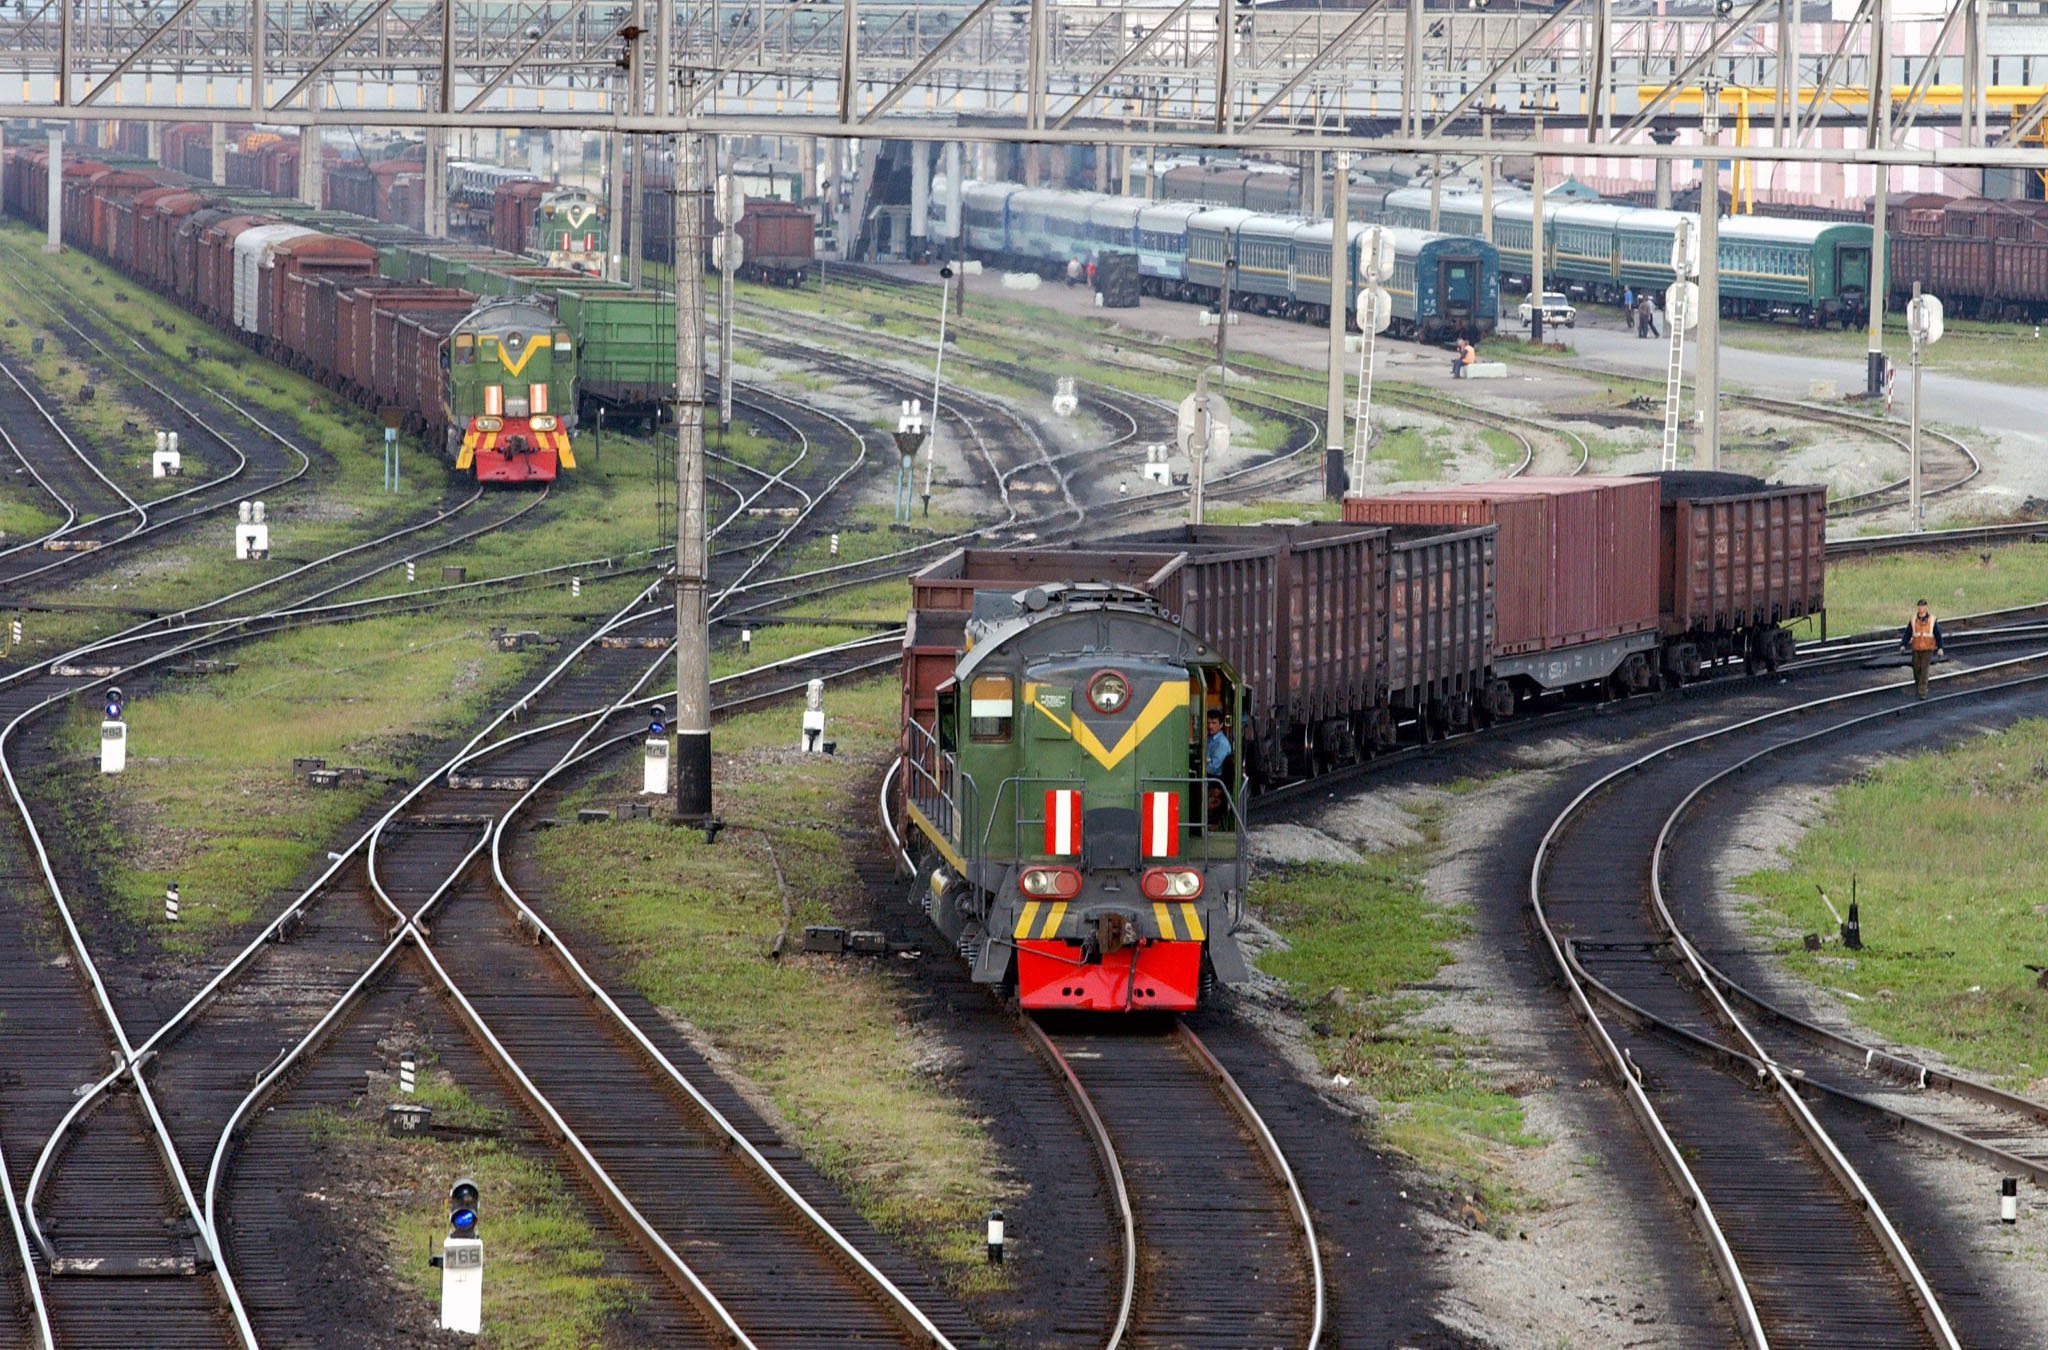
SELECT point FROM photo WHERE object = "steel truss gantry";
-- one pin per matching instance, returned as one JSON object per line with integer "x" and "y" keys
{"x": 1383, "y": 76}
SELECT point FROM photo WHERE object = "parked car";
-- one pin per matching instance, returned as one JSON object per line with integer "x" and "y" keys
{"x": 1556, "y": 309}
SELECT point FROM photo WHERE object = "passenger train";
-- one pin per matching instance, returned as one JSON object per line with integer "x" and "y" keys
{"x": 1442, "y": 288}
{"x": 1447, "y": 277}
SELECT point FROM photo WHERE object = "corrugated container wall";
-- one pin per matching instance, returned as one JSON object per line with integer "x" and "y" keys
{"x": 1743, "y": 560}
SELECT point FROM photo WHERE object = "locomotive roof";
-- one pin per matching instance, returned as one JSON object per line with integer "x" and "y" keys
{"x": 1045, "y": 621}
{"x": 520, "y": 316}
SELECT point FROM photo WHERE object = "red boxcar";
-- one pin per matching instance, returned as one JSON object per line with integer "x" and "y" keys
{"x": 306, "y": 338}
{"x": 512, "y": 213}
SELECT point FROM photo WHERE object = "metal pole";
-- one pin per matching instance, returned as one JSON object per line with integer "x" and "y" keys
{"x": 1536, "y": 254}
{"x": 1198, "y": 449}
{"x": 1225, "y": 31}
{"x": 1340, "y": 301}
{"x": 1918, "y": 521}
{"x": 1879, "y": 135}
{"x": 1223, "y": 310}
{"x": 1486, "y": 178}
{"x": 730, "y": 245}
{"x": 1707, "y": 392}
{"x": 931, "y": 452}
{"x": 1411, "y": 71}
{"x": 693, "y": 641}
{"x": 1362, "y": 414}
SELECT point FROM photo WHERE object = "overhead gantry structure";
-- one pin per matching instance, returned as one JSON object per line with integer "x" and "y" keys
{"x": 1384, "y": 76}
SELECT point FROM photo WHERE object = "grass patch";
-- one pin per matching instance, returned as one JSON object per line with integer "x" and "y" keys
{"x": 545, "y": 1279}
{"x": 1360, "y": 935}
{"x": 693, "y": 924}
{"x": 1945, "y": 851}
{"x": 1258, "y": 513}
{"x": 208, "y": 798}
{"x": 1867, "y": 593}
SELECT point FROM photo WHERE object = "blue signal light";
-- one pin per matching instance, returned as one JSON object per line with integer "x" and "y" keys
{"x": 656, "y": 727}
{"x": 462, "y": 1220}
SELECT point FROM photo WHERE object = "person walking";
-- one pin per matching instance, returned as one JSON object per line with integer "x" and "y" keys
{"x": 1642, "y": 316}
{"x": 1922, "y": 637}
{"x": 1628, "y": 300}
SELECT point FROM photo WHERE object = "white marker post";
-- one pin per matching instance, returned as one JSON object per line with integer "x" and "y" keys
{"x": 252, "y": 534}
{"x": 813, "y": 740}
{"x": 166, "y": 463}
{"x": 408, "y": 1074}
{"x": 654, "y": 773}
{"x": 462, "y": 1263}
{"x": 171, "y": 902}
{"x": 113, "y": 736}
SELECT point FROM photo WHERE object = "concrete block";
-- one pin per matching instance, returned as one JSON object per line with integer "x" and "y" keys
{"x": 1487, "y": 370}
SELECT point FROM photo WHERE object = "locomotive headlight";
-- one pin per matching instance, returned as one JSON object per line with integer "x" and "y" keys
{"x": 1050, "y": 883}
{"x": 1108, "y": 691}
{"x": 490, "y": 424}
{"x": 545, "y": 422}
{"x": 1170, "y": 883}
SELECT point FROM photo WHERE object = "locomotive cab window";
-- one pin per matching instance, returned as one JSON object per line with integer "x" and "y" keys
{"x": 991, "y": 708}
{"x": 465, "y": 349}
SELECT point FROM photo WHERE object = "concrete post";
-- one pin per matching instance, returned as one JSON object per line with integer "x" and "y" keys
{"x": 311, "y": 166}
{"x": 153, "y": 131}
{"x": 1880, "y": 78}
{"x": 218, "y": 170}
{"x": 1340, "y": 295}
{"x": 55, "y": 199}
{"x": 920, "y": 195}
{"x": 693, "y": 643}
{"x": 1707, "y": 395}
{"x": 953, "y": 158}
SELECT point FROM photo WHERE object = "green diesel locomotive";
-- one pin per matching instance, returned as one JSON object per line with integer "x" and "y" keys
{"x": 1090, "y": 845}
{"x": 510, "y": 392}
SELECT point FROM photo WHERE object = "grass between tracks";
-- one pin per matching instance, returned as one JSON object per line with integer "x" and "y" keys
{"x": 208, "y": 798}
{"x": 549, "y": 1289}
{"x": 1945, "y": 852}
{"x": 1867, "y": 593}
{"x": 1360, "y": 938}
{"x": 823, "y": 1042}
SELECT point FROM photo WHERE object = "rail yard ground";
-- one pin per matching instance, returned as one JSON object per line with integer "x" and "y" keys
{"x": 1396, "y": 974}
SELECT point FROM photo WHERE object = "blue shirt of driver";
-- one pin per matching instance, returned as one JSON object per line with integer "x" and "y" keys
{"x": 1215, "y": 752}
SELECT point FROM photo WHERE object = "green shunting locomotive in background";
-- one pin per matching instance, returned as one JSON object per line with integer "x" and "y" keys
{"x": 1085, "y": 854}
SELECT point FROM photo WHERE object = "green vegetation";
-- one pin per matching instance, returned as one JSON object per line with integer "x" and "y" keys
{"x": 548, "y": 1288}
{"x": 1359, "y": 935}
{"x": 208, "y": 798}
{"x": 2003, "y": 353}
{"x": 1869, "y": 593}
{"x": 1258, "y": 513}
{"x": 1945, "y": 856}
{"x": 693, "y": 925}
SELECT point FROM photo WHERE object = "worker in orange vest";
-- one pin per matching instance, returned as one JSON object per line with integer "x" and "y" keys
{"x": 1922, "y": 637}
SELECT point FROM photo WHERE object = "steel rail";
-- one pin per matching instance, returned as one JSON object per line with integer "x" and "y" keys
{"x": 1723, "y": 1256}
{"x": 1277, "y": 1160}
{"x": 735, "y": 1138}
{"x": 1889, "y": 1062}
{"x": 1112, "y": 1171}
{"x": 70, "y": 509}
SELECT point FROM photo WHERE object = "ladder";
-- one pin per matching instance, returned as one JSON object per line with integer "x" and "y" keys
{"x": 1674, "y": 374}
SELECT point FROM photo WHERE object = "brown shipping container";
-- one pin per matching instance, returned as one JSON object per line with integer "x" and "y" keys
{"x": 1575, "y": 562}
{"x": 1746, "y": 559}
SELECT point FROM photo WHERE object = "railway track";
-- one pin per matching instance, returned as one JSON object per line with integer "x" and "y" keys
{"x": 1955, "y": 468}
{"x": 259, "y": 458}
{"x": 75, "y": 1138}
{"x": 1809, "y": 1253}
{"x": 1217, "y": 1246}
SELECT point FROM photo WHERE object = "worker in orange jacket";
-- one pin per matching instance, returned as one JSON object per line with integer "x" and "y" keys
{"x": 1922, "y": 637}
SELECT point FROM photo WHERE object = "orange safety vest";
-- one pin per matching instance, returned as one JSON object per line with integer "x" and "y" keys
{"x": 1923, "y": 633}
